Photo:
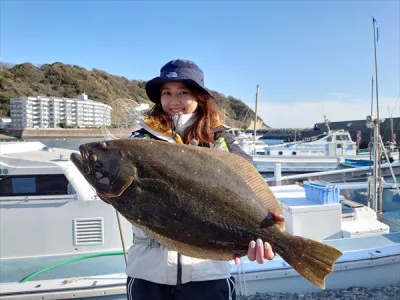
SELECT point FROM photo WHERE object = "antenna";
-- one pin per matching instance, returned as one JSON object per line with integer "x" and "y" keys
{"x": 327, "y": 122}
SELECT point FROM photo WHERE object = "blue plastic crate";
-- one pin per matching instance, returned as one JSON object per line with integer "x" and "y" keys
{"x": 322, "y": 192}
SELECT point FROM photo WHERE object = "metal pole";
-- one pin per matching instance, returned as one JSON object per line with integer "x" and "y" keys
{"x": 391, "y": 128}
{"x": 375, "y": 174}
{"x": 371, "y": 137}
{"x": 278, "y": 174}
{"x": 376, "y": 141}
{"x": 376, "y": 74}
{"x": 372, "y": 113}
{"x": 255, "y": 118}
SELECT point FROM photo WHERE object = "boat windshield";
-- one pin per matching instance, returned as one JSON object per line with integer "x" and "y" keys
{"x": 342, "y": 137}
{"x": 320, "y": 137}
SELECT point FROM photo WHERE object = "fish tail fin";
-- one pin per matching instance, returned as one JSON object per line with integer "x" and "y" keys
{"x": 311, "y": 259}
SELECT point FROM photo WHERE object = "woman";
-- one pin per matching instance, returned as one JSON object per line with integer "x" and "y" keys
{"x": 184, "y": 112}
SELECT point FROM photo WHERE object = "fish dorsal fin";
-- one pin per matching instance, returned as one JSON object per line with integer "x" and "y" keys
{"x": 251, "y": 177}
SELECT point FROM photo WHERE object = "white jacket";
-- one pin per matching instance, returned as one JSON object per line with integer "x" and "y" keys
{"x": 159, "y": 264}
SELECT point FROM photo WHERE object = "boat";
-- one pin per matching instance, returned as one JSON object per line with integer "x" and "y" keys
{"x": 324, "y": 152}
{"x": 53, "y": 221}
{"x": 247, "y": 141}
{"x": 391, "y": 154}
{"x": 328, "y": 151}
{"x": 321, "y": 153}
{"x": 66, "y": 243}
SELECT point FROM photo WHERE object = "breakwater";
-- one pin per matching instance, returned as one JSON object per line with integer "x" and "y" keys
{"x": 38, "y": 133}
{"x": 353, "y": 126}
{"x": 287, "y": 134}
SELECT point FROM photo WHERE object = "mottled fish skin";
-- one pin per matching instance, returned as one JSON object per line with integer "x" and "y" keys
{"x": 200, "y": 202}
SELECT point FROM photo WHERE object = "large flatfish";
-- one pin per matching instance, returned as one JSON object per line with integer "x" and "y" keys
{"x": 202, "y": 203}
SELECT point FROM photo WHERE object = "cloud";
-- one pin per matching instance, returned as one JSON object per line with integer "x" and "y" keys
{"x": 305, "y": 114}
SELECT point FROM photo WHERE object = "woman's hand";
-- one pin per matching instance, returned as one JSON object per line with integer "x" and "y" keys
{"x": 259, "y": 250}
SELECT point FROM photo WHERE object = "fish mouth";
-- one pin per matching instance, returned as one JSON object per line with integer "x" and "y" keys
{"x": 78, "y": 159}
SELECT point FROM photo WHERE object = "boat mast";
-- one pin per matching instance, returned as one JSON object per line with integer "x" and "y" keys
{"x": 377, "y": 161}
{"x": 371, "y": 141}
{"x": 255, "y": 118}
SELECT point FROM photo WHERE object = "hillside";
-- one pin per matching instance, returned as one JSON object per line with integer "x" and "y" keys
{"x": 63, "y": 80}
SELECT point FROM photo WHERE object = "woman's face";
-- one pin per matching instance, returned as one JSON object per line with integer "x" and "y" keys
{"x": 176, "y": 98}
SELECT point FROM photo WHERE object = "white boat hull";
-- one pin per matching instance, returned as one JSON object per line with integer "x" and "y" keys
{"x": 299, "y": 164}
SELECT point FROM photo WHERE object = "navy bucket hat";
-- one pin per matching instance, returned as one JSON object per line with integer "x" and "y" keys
{"x": 180, "y": 70}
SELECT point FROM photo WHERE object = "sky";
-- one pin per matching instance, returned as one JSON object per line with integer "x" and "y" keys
{"x": 310, "y": 58}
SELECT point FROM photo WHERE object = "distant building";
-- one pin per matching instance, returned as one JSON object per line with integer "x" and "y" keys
{"x": 53, "y": 112}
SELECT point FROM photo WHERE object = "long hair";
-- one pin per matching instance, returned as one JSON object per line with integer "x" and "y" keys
{"x": 202, "y": 129}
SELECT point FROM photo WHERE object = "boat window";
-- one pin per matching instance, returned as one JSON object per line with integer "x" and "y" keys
{"x": 268, "y": 153}
{"x": 339, "y": 146}
{"x": 329, "y": 139}
{"x": 33, "y": 185}
{"x": 280, "y": 152}
{"x": 294, "y": 153}
{"x": 342, "y": 138}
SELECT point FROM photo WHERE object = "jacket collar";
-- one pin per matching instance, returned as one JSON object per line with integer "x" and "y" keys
{"x": 153, "y": 127}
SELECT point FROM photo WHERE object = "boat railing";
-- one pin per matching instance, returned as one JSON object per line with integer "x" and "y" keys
{"x": 41, "y": 198}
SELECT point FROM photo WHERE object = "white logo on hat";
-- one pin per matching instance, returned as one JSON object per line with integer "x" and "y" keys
{"x": 172, "y": 74}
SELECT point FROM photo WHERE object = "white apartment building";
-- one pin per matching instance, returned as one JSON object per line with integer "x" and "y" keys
{"x": 49, "y": 112}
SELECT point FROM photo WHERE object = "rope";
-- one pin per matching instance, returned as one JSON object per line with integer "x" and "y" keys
{"x": 122, "y": 237}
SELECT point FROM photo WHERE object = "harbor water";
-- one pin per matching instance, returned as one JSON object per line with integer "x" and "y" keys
{"x": 74, "y": 143}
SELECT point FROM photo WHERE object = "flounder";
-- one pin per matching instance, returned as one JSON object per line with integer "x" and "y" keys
{"x": 200, "y": 202}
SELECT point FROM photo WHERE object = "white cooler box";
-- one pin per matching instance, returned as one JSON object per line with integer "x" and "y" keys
{"x": 363, "y": 228}
{"x": 312, "y": 220}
